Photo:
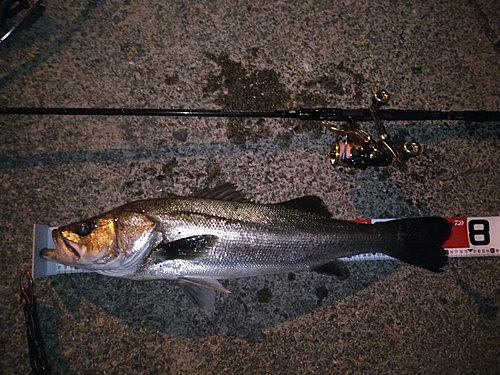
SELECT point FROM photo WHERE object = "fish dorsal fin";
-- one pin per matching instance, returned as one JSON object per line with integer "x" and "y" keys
{"x": 185, "y": 248}
{"x": 202, "y": 291}
{"x": 227, "y": 192}
{"x": 308, "y": 203}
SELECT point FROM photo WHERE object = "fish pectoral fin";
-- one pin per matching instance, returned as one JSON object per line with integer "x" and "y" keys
{"x": 309, "y": 203}
{"x": 185, "y": 248}
{"x": 335, "y": 268}
{"x": 202, "y": 291}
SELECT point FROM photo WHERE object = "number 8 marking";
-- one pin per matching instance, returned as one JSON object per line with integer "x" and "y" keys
{"x": 483, "y": 232}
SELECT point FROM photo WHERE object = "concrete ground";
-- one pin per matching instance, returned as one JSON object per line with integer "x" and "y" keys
{"x": 387, "y": 318}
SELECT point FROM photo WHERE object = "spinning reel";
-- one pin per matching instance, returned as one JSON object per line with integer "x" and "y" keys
{"x": 354, "y": 147}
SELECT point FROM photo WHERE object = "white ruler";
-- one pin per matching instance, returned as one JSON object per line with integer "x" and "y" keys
{"x": 470, "y": 237}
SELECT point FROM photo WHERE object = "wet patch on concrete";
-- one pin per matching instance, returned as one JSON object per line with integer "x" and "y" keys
{"x": 180, "y": 135}
{"x": 336, "y": 80}
{"x": 264, "y": 295}
{"x": 239, "y": 130}
{"x": 238, "y": 87}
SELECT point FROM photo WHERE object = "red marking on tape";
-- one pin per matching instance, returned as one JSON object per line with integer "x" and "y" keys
{"x": 362, "y": 221}
{"x": 459, "y": 237}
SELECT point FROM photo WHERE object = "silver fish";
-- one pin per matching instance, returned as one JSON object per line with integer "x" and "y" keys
{"x": 218, "y": 234}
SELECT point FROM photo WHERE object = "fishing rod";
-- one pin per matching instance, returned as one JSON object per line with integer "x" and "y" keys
{"x": 353, "y": 146}
{"x": 315, "y": 114}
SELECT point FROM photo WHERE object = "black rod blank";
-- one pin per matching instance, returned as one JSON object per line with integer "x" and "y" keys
{"x": 327, "y": 114}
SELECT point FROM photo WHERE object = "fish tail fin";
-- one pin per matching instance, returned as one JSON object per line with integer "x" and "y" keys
{"x": 420, "y": 241}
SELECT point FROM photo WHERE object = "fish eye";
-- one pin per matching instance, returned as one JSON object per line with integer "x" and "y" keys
{"x": 84, "y": 228}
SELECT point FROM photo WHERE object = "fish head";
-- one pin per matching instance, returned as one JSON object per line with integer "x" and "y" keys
{"x": 106, "y": 242}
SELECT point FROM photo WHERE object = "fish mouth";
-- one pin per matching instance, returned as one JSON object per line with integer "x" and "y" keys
{"x": 66, "y": 251}
{"x": 72, "y": 247}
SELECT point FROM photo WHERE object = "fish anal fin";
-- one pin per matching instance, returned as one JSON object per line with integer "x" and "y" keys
{"x": 184, "y": 248}
{"x": 335, "y": 268}
{"x": 205, "y": 282}
{"x": 227, "y": 192}
{"x": 202, "y": 297}
{"x": 308, "y": 203}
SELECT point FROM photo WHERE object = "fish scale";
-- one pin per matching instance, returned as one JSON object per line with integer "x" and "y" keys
{"x": 254, "y": 239}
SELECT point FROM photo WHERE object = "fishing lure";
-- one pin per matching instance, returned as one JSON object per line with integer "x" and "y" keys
{"x": 36, "y": 345}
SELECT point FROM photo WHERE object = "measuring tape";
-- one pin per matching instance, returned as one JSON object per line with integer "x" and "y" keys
{"x": 470, "y": 237}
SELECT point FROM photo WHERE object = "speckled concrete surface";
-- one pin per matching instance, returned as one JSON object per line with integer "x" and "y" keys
{"x": 387, "y": 318}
